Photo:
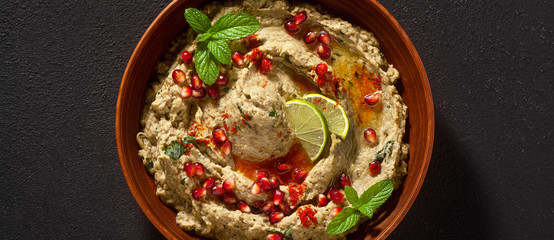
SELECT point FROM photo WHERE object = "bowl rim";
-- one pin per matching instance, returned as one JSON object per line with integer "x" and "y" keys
{"x": 414, "y": 191}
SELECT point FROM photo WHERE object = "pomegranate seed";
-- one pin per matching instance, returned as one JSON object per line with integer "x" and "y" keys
{"x": 213, "y": 92}
{"x": 209, "y": 183}
{"x": 237, "y": 58}
{"x": 300, "y": 175}
{"x": 372, "y": 99}
{"x": 324, "y": 38}
{"x": 321, "y": 200}
{"x": 323, "y": 51}
{"x": 186, "y": 92}
{"x": 282, "y": 167}
{"x": 370, "y": 136}
{"x": 374, "y": 167}
{"x": 190, "y": 169}
{"x": 178, "y": 76}
{"x": 285, "y": 208}
{"x": 199, "y": 168}
{"x": 186, "y": 56}
{"x": 274, "y": 236}
{"x": 198, "y": 93}
{"x": 291, "y": 27}
{"x": 199, "y": 193}
{"x": 267, "y": 207}
{"x": 243, "y": 207}
{"x": 265, "y": 184}
{"x": 300, "y": 18}
{"x": 276, "y": 217}
{"x": 321, "y": 69}
{"x": 196, "y": 82}
{"x": 218, "y": 190}
{"x": 261, "y": 174}
{"x": 229, "y": 184}
{"x": 310, "y": 37}
{"x": 267, "y": 65}
{"x": 226, "y": 148}
{"x": 230, "y": 198}
{"x": 336, "y": 195}
{"x": 329, "y": 191}
{"x": 221, "y": 80}
{"x": 344, "y": 180}
{"x": 278, "y": 197}
{"x": 255, "y": 188}
{"x": 274, "y": 182}
{"x": 219, "y": 135}
{"x": 335, "y": 211}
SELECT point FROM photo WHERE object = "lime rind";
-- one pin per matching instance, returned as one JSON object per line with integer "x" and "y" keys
{"x": 310, "y": 126}
{"x": 333, "y": 112}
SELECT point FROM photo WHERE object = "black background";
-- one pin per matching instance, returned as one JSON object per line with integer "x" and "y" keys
{"x": 490, "y": 66}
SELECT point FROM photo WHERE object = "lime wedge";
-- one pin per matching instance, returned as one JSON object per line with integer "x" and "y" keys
{"x": 309, "y": 126}
{"x": 333, "y": 112}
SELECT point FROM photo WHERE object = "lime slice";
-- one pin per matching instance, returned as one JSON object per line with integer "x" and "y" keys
{"x": 309, "y": 126}
{"x": 333, "y": 112}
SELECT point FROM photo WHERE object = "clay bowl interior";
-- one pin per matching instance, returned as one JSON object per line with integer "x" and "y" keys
{"x": 395, "y": 44}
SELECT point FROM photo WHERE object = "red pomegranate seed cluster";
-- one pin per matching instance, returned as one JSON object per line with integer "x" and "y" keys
{"x": 292, "y": 26}
{"x": 222, "y": 190}
{"x": 220, "y": 139}
{"x": 197, "y": 89}
{"x": 276, "y": 207}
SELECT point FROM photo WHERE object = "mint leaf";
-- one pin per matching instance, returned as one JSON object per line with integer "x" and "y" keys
{"x": 377, "y": 194}
{"x": 366, "y": 210}
{"x": 346, "y": 219}
{"x": 176, "y": 150}
{"x": 206, "y": 65}
{"x": 234, "y": 26}
{"x": 204, "y": 37}
{"x": 220, "y": 50}
{"x": 197, "y": 20}
{"x": 351, "y": 194}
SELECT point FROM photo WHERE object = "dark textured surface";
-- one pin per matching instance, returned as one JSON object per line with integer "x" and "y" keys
{"x": 490, "y": 65}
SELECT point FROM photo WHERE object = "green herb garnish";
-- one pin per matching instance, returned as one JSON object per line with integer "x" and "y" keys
{"x": 176, "y": 150}
{"x": 286, "y": 234}
{"x": 150, "y": 164}
{"x": 188, "y": 139}
{"x": 212, "y": 48}
{"x": 366, "y": 204}
{"x": 287, "y": 58}
{"x": 183, "y": 181}
{"x": 274, "y": 114}
{"x": 384, "y": 152}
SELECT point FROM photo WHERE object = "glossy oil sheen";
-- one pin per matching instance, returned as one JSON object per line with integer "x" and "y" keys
{"x": 395, "y": 44}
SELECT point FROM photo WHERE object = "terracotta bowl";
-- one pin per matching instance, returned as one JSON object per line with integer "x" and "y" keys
{"x": 395, "y": 44}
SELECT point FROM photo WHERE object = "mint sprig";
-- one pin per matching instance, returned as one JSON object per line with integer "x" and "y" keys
{"x": 367, "y": 203}
{"x": 212, "y": 48}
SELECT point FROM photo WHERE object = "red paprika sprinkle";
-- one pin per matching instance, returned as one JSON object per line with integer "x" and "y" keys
{"x": 295, "y": 193}
{"x": 307, "y": 215}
